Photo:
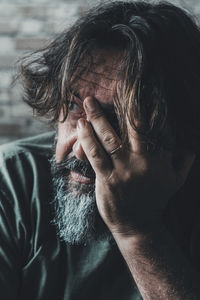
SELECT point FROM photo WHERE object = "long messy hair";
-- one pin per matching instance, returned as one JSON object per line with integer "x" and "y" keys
{"x": 159, "y": 91}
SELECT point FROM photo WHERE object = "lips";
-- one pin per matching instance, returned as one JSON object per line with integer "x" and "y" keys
{"x": 81, "y": 178}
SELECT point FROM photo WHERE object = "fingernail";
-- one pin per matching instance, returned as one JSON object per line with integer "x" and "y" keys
{"x": 90, "y": 104}
{"x": 81, "y": 123}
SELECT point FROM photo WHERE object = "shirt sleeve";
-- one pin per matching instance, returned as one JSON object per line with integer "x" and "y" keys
{"x": 13, "y": 232}
{"x": 25, "y": 189}
{"x": 9, "y": 252}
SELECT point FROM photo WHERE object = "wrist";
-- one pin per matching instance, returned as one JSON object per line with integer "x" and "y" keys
{"x": 140, "y": 234}
{"x": 132, "y": 225}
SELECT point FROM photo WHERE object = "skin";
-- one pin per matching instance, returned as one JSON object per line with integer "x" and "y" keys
{"x": 99, "y": 83}
{"x": 130, "y": 200}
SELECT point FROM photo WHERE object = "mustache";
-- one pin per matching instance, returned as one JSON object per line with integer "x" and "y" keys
{"x": 74, "y": 164}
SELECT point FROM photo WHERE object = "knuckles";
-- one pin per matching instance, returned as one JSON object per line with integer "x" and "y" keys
{"x": 114, "y": 180}
{"x": 109, "y": 139}
{"x": 95, "y": 115}
{"x": 95, "y": 152}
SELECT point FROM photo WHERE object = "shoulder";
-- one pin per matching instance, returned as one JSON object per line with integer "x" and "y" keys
{"x": 25, "y": 183}
{"x": 40, "y": 144}
{"x": 24, "y": 161}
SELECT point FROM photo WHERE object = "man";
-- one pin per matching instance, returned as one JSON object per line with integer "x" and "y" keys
{"x": 118, "y": 218}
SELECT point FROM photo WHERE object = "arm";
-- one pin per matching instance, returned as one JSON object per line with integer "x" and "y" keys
{"x": 158, "y": 266}
{"x": 129, "y": 187}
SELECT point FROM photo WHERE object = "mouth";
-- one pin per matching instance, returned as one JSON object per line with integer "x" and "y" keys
{"x": 81, "y": 178}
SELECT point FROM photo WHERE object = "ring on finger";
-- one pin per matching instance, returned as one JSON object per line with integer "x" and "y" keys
{"x": 116, "y": 150}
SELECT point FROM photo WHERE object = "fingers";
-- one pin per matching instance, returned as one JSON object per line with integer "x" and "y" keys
{"x": 98, "y": 158}
{"x": 137, "y": 145}
{"x": 104, "y": 131}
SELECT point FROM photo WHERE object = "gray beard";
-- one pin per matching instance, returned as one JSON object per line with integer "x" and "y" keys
{"x": 76, "y": 215}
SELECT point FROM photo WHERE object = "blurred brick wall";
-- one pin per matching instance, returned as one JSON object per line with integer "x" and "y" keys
{"x": 28, "y": 25}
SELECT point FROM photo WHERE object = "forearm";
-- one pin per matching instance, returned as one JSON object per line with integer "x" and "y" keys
{"x": 158, "y": 266}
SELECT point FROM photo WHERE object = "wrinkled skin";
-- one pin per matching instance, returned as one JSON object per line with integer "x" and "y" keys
{"x": 132, "y": 186}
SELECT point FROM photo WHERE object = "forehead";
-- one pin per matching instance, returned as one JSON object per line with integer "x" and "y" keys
{"x": 101, "y": 78}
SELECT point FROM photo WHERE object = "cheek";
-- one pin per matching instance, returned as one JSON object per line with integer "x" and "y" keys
{"x": 66, "y": 130}
{"x": 67, "y": 136}
{"x": 72, "y": 121}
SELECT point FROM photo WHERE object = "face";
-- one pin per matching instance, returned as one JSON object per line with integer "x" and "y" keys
{"x": 77, "y": 217}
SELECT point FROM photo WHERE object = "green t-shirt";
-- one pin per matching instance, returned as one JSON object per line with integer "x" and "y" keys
{"x": 36, "y": 265}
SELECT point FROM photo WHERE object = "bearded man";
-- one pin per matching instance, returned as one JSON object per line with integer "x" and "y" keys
{"x": 112, "y": 212}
